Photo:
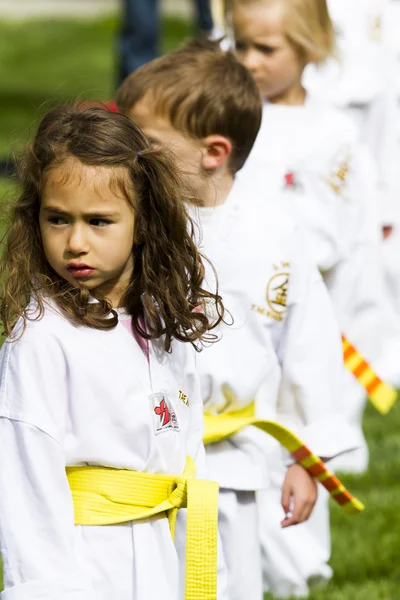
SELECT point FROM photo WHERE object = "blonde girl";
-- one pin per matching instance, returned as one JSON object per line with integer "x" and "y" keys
{"x": 309, "y": 152}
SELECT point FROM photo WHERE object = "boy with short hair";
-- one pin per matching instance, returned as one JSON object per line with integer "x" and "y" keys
{"x": 283, "y": 351}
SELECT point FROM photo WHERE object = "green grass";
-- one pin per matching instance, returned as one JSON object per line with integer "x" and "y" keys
{"x": 8, "y": 188}
{"x": 8, "y": 191}
{"x": 366, "y": 548}
{"x": 53, "y": 61}
{"x": 44, "y": 62}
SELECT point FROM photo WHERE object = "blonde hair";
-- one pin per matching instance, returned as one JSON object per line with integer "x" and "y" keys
{"x": 307, "y": 24}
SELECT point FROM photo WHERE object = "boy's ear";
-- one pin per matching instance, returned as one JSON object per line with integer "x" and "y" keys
{"x": 217, "y": 150}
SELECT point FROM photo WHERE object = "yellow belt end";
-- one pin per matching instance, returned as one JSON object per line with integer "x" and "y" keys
{"x": 354, "y": 507}
{"x": 383, "y": 398}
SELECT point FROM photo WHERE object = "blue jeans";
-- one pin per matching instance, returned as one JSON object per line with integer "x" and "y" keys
{"x": 204, "y": 15}
{"x": 140, "y": 32}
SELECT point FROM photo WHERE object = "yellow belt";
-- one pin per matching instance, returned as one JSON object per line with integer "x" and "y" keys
{"x": 225, "y": 425}
{"x": 106, "y": 496}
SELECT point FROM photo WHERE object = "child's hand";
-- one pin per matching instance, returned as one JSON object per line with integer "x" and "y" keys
{"x": 387, "y": 231}
{"x": 299, "y": 494}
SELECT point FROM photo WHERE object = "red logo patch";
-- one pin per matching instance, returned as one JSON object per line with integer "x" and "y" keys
{"x": 289, "y": 180}
{"x": 164, "y": 414}
{"x": 163, "y": 411}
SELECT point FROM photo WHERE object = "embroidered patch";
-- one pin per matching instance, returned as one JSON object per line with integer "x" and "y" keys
{"x": 164, "y": 415}
{"x": 337, "y": 178}
{"x": 277, "y": 291}
{"x": 291, "y": 181}
{"x": 183, "y": 397}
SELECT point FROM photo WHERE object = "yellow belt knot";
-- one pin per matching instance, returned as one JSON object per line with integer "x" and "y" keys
{"x": 178, "y": 498}
{"x": 105, "y": 496}
{"x": 179, "y": 493}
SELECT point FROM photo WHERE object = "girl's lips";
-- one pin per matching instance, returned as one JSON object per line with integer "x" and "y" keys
{"x": 80, "y": 272}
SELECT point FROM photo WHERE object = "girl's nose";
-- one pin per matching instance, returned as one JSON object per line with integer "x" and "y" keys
{"x": 251, "y": 60}
{"x": 77, "y": 240}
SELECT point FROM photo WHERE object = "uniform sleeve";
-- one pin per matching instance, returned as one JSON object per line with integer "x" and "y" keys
{"x": 312, "y": 363}
{"x": 331, "y": 199}
{"x": 382, "y": 132}
{"x": 356, "y": 284}
{"x": 36, "y": 518}
{"x": 36, "y": 511}
{"x": 358, "y": 218}
{"x": 314, "y": 210}
{"x": 340, "y": 214}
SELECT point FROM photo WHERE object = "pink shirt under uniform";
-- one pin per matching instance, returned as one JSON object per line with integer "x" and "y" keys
{"x": 126, "y": 320}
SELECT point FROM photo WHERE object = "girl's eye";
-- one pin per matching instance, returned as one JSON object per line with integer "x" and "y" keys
{"x": 266, "y": 49}
{"x": 57, "y": 220}
{"x": 99, "y": 222}
{"x": 240, "y": 46}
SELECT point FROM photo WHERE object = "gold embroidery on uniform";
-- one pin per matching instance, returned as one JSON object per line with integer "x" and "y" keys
{"x": 277, "y": 291}
{"x": 338, "y": 178}
{"x": 283, "y": 265}
{"x": 276, "y": 296}
{"x": 183, "y": 397}
{"x": 375, "y": 29}
{"x": 260, "y": 310}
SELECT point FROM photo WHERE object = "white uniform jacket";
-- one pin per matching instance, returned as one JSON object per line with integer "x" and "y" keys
{"x": 312, "y": 154}
{"x": 71, "y": 395}
{"x": 283, "y": 350}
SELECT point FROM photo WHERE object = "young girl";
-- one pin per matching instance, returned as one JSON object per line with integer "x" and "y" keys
{"x": 100, "y": 279}
{"x": 311, "y": 152}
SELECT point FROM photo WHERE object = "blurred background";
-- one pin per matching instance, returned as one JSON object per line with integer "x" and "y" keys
{"x": 55, "y": 50}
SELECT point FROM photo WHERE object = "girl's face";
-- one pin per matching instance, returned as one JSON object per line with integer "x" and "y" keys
{"x": 261, "y": 45}
{"x": 87, "y": 229}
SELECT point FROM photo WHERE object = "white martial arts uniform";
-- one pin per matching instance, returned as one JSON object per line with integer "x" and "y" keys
{"x": 72, "y": 395}
{"x": 284, "y": 346}
{"x": 312, "y": 154}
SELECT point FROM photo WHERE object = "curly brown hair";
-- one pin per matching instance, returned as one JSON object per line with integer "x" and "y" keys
{"x": 166, "y": 283}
